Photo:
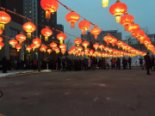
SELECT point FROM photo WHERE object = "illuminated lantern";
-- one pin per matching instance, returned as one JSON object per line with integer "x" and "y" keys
{"x": 50, "y": 6}
{"x": 1, "y": 31}
{"x": 118, "y": 9}
{"x": 95, "y": 31}
{"x": 57, "y": 50}
{"x": 126, "y": 19}
{"x": 96, "y": 45}
{"x": 46, "y": 32}
{"x": 29, "y": 48}
{"x": 85, "y": 44}
{"x": 63, "y": 51}
{"x": 1, "y": 45}
{"x": 61, "y": 37}
{"x": 1, "y": 39}
{"x": 105, "y": 3}
{"x": 62, "y": 46}
{"x": 53, "y": 45}
{"x": 78, "y": 41}
{"x": 37, "y": 42}
{"x": 18, "y": 47}
{"x": 29, "y": 28}
{"x": 84, "y": 26}
{"x": 21, "y": 38}
{"x": 13, "y": 42}
{"x": 110, "y": 39}
{"x": 43, "y": 48}
{"x": 132, "y": 27}
{"x": 49, "y": 51}
{"x": 4, "y": 19}
{"x": 72, "y": 18}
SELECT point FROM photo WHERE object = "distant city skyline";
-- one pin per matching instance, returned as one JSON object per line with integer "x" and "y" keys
{"x": 93, "y": 11}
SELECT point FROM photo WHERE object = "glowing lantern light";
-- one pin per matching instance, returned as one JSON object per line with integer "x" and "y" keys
{"x": 126, "y": 19}
{"x": 96, "y": 45}
{"x": 21, "y": 38}
{"x": 63, "y": 51}
{"x": 1, "y": 45}
{"x": 4, "y": 19}
{"x": 43, "y": 48}
{"x": 62, "y": 46}
{"x": 18, "y": 47}
{"x": 132, "y": 27}
{"x": 46, "y": 32}
{"x": 57, "y": 50}
{"x": 84, "y": 26}
{"x": 49, "y": 51}
{"x": 105, "y": 3}
{"x": 85, "y": 44}
{"x": 29, "y": 48}
{"x": 29, "y": 28}
{"x": 72, "y": 18}
{"x": 36, "y": 42}
{"x": 118, "y": 9}
{"x": 13, "y": 42}
{"x": 61, "y": 37}
{"x": 95, "y": 31}
{"x": 50, "y": 6}
{"x": 78, "y": 41}
{"x": 53, "y": 45}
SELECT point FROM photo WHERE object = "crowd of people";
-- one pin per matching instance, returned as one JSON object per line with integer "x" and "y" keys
{"x": 65, "y": 63}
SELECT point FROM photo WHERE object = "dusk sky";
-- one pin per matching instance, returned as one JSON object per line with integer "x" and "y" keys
{"x": 142, "y": 10}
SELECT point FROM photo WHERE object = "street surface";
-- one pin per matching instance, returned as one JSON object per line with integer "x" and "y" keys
{"x": 83, "y": 93}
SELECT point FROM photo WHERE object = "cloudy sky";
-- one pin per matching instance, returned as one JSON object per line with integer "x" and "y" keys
{"x": 143, "y": 10}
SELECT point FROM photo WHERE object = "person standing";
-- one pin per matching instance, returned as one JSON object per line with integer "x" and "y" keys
{"x": 147, "y": 60}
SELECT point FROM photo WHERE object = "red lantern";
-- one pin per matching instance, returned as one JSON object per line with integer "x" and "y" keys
{"x": 57, "y": 50}
{"x": 85, "y": 44}
{"x": 43, "y": 48}
{"x": 62, "y": 46}
{"x": 1, "y": 39}
{"x": 132, "y": 27}
{"x": 96, "y": 45}
{"x": 95, "y": 31}
{"x": 18, "y": 47}
{"x": 21, "y": 38}
{"x": 126, "y": 19}
{"x": 49, "y": 51}
{"x": 53, "y": 45}
{"x": 63, "y": 51}
{"x": 118, "y": 9}
{"x": 29, "y": 27}
{"x": 50, "y": 6}
{"x": 46, "y": 32}
{"x": 72, "y": 18}
{"x": 1, "y": 31}
{"x": 29, "y": 48}
{"x": 13, "y": 42}
{"x": 61, "y": 37}
{"x": 84, "y": 25}
{"x": 4, "y": 19}
{"x": 78, "y": 41}
{"x": 1, "y": 45}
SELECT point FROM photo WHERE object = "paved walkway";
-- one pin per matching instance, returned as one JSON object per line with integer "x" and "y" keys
{"x": 83, "y": 93}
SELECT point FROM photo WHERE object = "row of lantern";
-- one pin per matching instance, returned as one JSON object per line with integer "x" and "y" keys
{"x": 81, "y": 48}
{"x": 109, "y": 39}
{"x": 51, "y": 6}
{"x": 37, "y": 44}
{"x": 119, "y": 10}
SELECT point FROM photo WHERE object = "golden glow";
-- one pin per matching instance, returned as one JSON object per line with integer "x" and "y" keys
{"x": 105, "y": 3}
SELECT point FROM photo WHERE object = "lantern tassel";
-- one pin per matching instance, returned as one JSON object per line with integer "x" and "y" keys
{"x": 48, "y": 14}
{"x": 2, "y": 26}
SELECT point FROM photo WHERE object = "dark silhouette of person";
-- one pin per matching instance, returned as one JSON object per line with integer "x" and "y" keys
{"x": 129, "y": 62}
{"x": 147, "y": 60}
{"x": 4, "y": 65}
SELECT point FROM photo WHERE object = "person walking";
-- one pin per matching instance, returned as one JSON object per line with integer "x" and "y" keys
{"x": 147, "y": 60}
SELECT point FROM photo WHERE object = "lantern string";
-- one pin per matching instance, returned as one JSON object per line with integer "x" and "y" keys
{"x": 69, "y": 9}
{"x": 15, "y": 13}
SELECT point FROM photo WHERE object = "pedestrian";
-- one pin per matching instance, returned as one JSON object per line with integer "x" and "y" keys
{"x": 129, "y": 62}
{"x": 147, "y": 60}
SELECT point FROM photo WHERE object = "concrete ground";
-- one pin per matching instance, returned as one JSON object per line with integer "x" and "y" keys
{"x": 84, "y": 93}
